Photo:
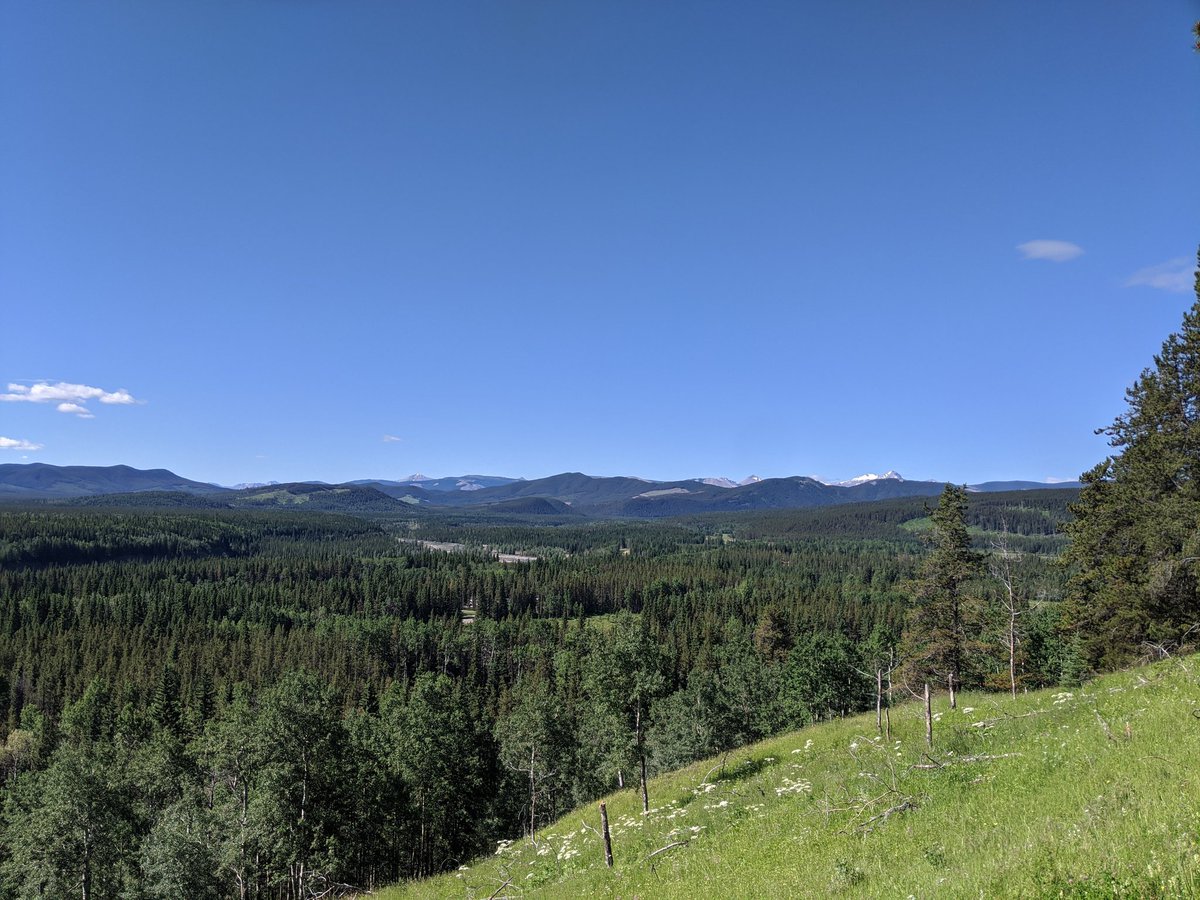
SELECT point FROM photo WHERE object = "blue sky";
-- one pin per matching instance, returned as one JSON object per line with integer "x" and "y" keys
{"x": 286, "y": 240}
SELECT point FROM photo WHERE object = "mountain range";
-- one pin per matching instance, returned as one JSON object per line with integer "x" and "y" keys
{"x": 567, "y": 494}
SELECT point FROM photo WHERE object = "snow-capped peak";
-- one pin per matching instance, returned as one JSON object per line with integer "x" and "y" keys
{"x": 749, "y": 479}
{"x": 718, "y": 482}
{"x": 889, "y": 475}
{"x": 417, "y": 476}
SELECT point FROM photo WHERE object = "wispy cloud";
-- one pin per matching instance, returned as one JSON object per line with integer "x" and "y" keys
{"x": 69, "y": 398}
{"x": 1054, "y": 251}
{"x": 1175, "y": 275}
{"x": 7, "y": 443}
{"x": 392, "y": 439}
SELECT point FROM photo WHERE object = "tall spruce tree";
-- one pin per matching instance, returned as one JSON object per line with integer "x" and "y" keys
{"x": 1135, "y": 540}
{"x": 941, "y": 632}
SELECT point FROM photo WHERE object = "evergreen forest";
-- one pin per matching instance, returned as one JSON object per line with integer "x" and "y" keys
{"x": 288, "y": 704}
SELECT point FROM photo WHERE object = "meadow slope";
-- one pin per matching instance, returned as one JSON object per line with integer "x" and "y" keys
{"x": 1088, "y": 792}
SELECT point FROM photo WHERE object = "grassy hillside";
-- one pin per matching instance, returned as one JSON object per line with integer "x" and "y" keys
{"x": 1093, "y": 792}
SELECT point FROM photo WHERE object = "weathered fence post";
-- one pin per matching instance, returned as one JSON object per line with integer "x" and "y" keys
{"x": 607, "y": 837}
{"x": 928, "y": 718}
{"x": 879, "y": 700}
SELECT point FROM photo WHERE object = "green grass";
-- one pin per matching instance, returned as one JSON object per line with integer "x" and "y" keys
{"x": 1087, "y": 793}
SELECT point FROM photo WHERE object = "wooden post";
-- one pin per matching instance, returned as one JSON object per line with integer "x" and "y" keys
{"x": 607, "y": 837}
{"x": 879, "y": 700}
{"x": 928, "y": 718}
{"x": 645, "y": 792}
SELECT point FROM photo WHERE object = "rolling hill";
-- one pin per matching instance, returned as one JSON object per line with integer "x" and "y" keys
{"x": 1081, "y": 792}
{"x": 42, "y": 481}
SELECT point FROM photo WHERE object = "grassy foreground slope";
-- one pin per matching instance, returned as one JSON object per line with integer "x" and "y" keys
{"x": 1093, "y": 792}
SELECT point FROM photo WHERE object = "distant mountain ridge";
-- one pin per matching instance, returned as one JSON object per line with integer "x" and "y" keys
{"x": 41, "y": 480}
{"x": 569, "y": 493}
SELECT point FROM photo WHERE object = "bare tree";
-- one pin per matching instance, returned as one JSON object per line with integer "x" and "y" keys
{"x": 881, "y": 671}
{"x": 1000, "y": 565}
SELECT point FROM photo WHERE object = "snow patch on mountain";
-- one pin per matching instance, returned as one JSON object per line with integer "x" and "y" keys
{"x": 718, "y": 482}
{"x": 661, "y": 493}
{"x": 889, "y": 475}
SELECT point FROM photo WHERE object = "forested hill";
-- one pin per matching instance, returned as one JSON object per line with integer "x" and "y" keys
{"x": 38, "y": 480}
{"x": 289, "y": 699}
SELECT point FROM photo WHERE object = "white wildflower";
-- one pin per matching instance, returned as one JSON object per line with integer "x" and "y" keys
{"x": 793, "y": 787}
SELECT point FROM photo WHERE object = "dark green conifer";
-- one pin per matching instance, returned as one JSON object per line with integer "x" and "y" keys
{"x": 941, "y": 631}
{"x": 1135, "y": 539}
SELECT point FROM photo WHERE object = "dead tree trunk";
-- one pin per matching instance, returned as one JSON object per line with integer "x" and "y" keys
{"x": 888, "y": 708}
{"x": 1001, "y": 570}
{"x": 608, "y": 860}
{"x": 1012, "y": 653}
{"x": 953, "y": 698}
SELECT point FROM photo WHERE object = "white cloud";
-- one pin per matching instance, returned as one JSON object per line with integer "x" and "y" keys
{"x": 70, "y": 398}
{"x": 82, "y": 411}
{"x": 392, "y": 439}
{"x": 1055, "y": 251}
{"x": 7, "y": 443}
{"x": 1175, "y": 275}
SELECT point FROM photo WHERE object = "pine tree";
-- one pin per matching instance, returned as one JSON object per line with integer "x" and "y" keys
{"x": 1135, "y": 540}
{"x": 940, "y": 635}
